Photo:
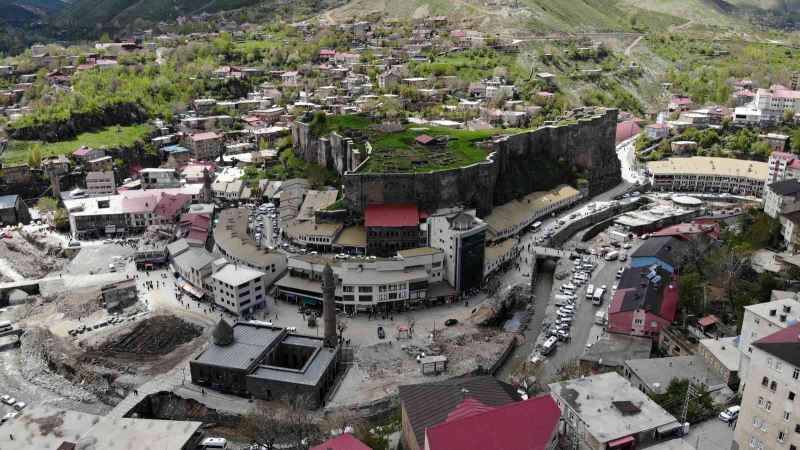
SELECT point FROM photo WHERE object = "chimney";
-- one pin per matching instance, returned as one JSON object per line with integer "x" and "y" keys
{"x": 787, "y": 308}
{"x": 783, "y": 317}
{"x": 328, "y": 307}
{"x": 772, "y": 312}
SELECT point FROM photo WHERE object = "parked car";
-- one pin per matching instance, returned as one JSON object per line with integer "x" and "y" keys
{"x": 8, "y": 400}
{"x": 381, "y": 333}
{"x": 8, "y": 417}
{"x": 450, "y": 322}
{"x": 730, "y": 414}
{"x": 19, "y": 406}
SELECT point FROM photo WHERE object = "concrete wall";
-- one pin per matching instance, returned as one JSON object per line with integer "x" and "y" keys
{"x": 519, "y": 164}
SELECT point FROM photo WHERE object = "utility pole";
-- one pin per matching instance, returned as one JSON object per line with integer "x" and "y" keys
{"x": 686, "y": 403}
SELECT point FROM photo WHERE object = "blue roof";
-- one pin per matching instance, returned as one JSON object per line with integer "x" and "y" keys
{"x": 175, "y": 149}
{"x": 8, "y": 201}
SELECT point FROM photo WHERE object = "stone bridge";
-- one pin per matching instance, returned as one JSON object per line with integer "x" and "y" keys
{"x": 30, "y": 287}
{"x": 548, "y": 253}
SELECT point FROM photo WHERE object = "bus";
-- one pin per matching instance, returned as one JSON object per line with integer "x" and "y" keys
{"x": 5, "y": 325}
{"x": 597, "y": 298}
{"x": 535, "y": 226}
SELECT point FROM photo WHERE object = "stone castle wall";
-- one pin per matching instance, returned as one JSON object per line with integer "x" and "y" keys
{"x": 535, "y": 160}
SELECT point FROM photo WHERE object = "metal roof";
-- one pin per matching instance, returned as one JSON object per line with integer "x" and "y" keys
{"x": 250, "y": 342}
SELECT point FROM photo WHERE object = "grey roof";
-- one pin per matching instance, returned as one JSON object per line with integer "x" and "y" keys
{"x": 313, "y": 370}
{"x": 194, "y": 258}
{"x": 665, "y": 248}
{"x": 177, "y": 247}
{"x": 613, "y": 349}
{"x": 786, "y": 187}
{"x": 250, "y": 342}
{"x": 593, "y": 400}
{"x": 658, "y": 372}
{"x": 8, "y": 201}
{"x": 235, "y": 275}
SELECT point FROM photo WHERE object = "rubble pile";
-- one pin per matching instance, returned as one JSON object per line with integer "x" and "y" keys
{"x": 157, "y": 335}
{"x": 27, "y": 259}
{"x": 43, "y": 361}
{"x": 75, "y": 304}
{"x": 467, "y": 352}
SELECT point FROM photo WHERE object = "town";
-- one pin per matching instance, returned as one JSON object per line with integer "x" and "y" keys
{"x": 339, "y": 229}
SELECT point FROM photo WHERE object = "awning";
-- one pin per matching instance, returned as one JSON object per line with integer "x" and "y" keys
{"x": 311, "y": 301}
{"x": 192, "y": 290}
{"x": 111, "y": 229}
{"x": 621, "y": 441}
{"x": 672, "y": 426}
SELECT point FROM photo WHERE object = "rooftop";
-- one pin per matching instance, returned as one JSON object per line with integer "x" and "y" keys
{"x": 515, "y": 212}
{"x": 236, "y": 274}
{"x": 705, "y": 165}
{"x": 783, "y": 344}
{"x": 786, "y": 187}
{"x": 665, "y": 248}
{"x": 658, "y": 372}
{"x": 725, "y": 350}
{"x": 401, "y": 215}
{"x": 250, "y": 342}
{"x": 612, "y": 349}
{"x": 772, "y": 311}
{"x": 593, "y": 400}
{"x": 230, "y": 234}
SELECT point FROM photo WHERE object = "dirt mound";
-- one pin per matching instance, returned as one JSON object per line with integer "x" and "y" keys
{"x": 155, "y": 336}
{"x": 27, "y": 259}
{"x": 75, "y": 304}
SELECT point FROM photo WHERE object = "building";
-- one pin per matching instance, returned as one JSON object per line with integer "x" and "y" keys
{"x": 606, "y": 412}
{"x": 773, "y": 101}
{"x": 777, "y": 142}
{"x": 645, "y": 301}
{"x": 100, "y": 184}
{"x": 423, "y": 406}
{"x": 232, "y": 241}
{"x": 462, "y": 238}
{"x": 237, "y": 288}
{"x": 782, "y": 197}
{"x": 154, "y": 178}
{"x": 653, "y": 375}
{"x": 411, "y": 278}
{"x": 782, "y": 166}
{"x": 205, "y": 146}
{"x": 721, "y": 355}
{"x": 17, "y": 174}
{"x": 761, "y": 320}
{"x": 525, "y": 425}
{"x": 510, "y": 218}
{"x": 709, "y": 174}
{"x": 655, "y": 131}
{"x": 228, "y": 190}
{"x": 13, "y": 210}
{"x": 67, "y": 430}
{"x": 770, "y": 414}
{"x": 344, "y": 441}
{"x": 85, "y": 154}
{"x": 193, "y": 264}
{"x": 266, "y": 362}
{"x": 391, "y": 228}
{"x": 665, "y": 251}
{"x": 119, "y": 294}
{"x": 101, "y": 164}
{"x": 56, "y": 164}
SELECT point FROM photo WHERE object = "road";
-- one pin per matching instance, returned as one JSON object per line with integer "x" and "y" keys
{"x": 712, "y": 434}
{"x": 633, "y": 44}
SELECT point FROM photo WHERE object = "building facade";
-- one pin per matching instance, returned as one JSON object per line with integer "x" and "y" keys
{"x": 100, "y": 183}
{"x": 462, "y": 238}
{"x": 238, "y": 289}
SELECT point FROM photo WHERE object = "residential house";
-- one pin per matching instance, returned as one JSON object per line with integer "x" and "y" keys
{"x": 101, "y": 164}
{"x": 18, "y": 174}
{"x": 645, "y": 301}
{"x": 100, "y": 183}
{"x": 721, "y": 355}
{"x": 205, "y": 146}
{"x": 777, "y": 142}
{"x": 155, "y": 178}
{"x": 85, "y": 153}
{"x": 13, "y": 210}
{"x": 665, "y": 251}
{"x": 782, "y": 166}
{"x": 655, "y": 131}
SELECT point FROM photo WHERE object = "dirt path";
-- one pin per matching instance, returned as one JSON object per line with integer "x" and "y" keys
{"x": 329, "y": 17}
{"x": 475, "y": 7}
{"x": 633, "y": 44}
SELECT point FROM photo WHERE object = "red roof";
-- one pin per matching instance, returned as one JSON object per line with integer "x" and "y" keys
{"x": 344, "y": 441}
{"x": 706, "y": 321}
{"x": 403, "y": 215}
{"x": 627, "y": 129}
{"x": 788, "y": 335}
{"x": 526, "y": 425}
{"x": 424, "y": 139}
{"x": 83, "y": 151}
{"x": 169, "y": 205}
{"x": 685, "y": 230}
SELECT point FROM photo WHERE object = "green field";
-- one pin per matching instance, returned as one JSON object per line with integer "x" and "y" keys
{"x": 107, "y": 137}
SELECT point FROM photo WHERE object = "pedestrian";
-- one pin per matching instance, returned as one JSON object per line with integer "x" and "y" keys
{"x": 203, "y": 391}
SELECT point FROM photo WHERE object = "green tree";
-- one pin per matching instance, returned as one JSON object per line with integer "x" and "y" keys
{"x": 46, "y": 204}
{"x": 35, "y": 156}
{"x": 690, "y": 292}
{"x": 61, "y": 220}
{"x": 788, "y": 116}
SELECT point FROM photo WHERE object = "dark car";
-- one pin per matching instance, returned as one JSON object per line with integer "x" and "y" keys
{"x": 450, "y": 322}
{"x": 616, "y": 244}
{"x": 381, "y": 333}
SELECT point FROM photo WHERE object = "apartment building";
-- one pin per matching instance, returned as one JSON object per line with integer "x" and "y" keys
{"x": 773, "y": 101}
{"x": 762, "y": 320}
{"x": 770, "y": 414}
{"x": 782, "y": 197}
{"x": 100, "y": 183}
{"x": 205, "y": 146}
{"x": 777, "y": 142}
{"x": 154, "y": 178}
{"x": 462, "y": 238}
{"x": 709, "y": 174}
{"x": 238, "y": 288}
{"x": 782, "y": 166}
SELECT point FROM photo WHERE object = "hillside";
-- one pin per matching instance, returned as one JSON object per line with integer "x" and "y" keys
{"x": 25, "y": 11}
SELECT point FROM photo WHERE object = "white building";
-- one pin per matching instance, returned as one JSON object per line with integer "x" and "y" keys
{"x": 770, "y": 410}
{"x": 709, "y": 174}
{"x": 155, "y": 178}
{"x": 238, "y": 288}
{"x": 761, "y": 320}
{"x": 782, "y": 166}
{"x": 100, "y": 183}
{"x": 773, "y": 101}
{"x": 782, "y": 197}
{"x": 462, "y": 238}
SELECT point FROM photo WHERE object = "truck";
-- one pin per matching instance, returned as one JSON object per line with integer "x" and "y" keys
{"x": 597, "y": 298}
{"x": 600, "y": 318}
{"x": 612, "y": 255}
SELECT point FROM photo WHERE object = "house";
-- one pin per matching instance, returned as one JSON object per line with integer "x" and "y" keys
{"x": 606, "y": 412}
{"x": 770, "y": 411}
{"x": 655, "y": 131}
{"x": 645, "y": 301}
{"x": 18, "y": 174}
{"x": 782, "y": 166}
{"x": 777, "y": 142}
{"x": 100, "y": 183}
{"x": 344, "y": 441}
{"x": 722, "y": 356}
{"x": 525, "y": 425}
{"x": 391, "y": 228}
{"x": 155, "y": 178}
{"x": 238, "y": 289}
{"x": 426, "y": 405}
{"x": 680, "y": 103}
{"x": 653, "y": 375}
{"x": 388, "y": 80}
{"x": 204, "y": 146}
{"x": 627, "y": 129}
{"x": 101, "y": 164}
{"x": 13, "y": 210}
{"x": 666, "y": 251}
{"x": 58, "y": 165}
{"x": 85, "y": 153}
{"x": 682, "y": 148}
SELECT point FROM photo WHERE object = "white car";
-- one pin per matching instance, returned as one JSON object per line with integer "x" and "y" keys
{"x": 8, "y": 400}
{"x": 19, "y": 406}
{"x": 730, "y": 414}
{"x": 8, "y": 417}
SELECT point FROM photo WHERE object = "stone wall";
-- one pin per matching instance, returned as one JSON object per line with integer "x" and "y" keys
{"x": 519, "y": 164}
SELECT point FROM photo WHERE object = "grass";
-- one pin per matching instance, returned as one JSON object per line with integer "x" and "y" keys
{"x": 106, "y": 137}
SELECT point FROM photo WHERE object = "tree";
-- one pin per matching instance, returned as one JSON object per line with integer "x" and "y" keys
{"x": 281, "y": 424}
{"x": 341, "y": 325}
{"x": 788, "y": 116}
{"x": 61, "y": 220}
{"x": 690, "y": 292}
{"x": 35, "y": 156}
{"x": 46, "y": 204}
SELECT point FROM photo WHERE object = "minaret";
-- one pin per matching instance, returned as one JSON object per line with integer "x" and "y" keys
{"x": 54, "y": 184}
{"x": 328, "y": 306}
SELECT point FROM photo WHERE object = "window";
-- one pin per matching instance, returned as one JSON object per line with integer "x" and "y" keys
{"x": 791, "y": 395}
{"x": 365, "y": 289}
{"x": 786, "y": 415}
{"x": 773, "y": 386}
{"x": 768, "y": 406}
{"x": 796, "y": 373}
{"x": 778, "y": 366}
{"x": 382, "y": 288}
{"x": 760, "y": 402}
{"x": 770, "y": 362}
{"x": 347, "y": 288}
{"x": 797, "y": 428}
{"x": 637, "y": 321}
{"x": 781, "y": 436}
{"x": 765, "y": 381}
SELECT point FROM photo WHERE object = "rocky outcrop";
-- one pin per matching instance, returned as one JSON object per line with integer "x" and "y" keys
{"x": 535, "y": 160}
{"x": 79, "y": 122}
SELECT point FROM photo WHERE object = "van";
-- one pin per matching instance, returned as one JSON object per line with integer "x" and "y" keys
{"x": 213, "y": 443}
{"x": 589, "y": 291}
{"x": 600, "y": 318}
{"x": 549, "y": 345}
{"x": 597, "y": 298}
{"x": 611, "y": 256}
{"x": 112, "y": 268}
{"x": 566, "y": 298}
{"x": 568, "y": 289}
